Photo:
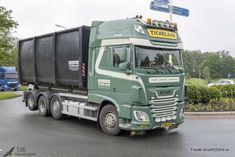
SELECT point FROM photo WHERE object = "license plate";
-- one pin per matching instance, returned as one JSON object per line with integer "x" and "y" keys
{"x": 166, "y": 125}
{"x": 157, "y": 33}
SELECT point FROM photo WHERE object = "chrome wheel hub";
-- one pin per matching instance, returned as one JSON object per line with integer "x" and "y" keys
{"x": 56, "y": 107}
{"x": 42, "y": 106}
{"x": 110, "y": 120}
{"x": 30, "y": 101}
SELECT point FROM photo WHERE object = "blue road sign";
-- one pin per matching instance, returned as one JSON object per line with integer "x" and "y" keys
{"x": 162, "y": 1}
{"x": 159, "y": 7}
{"x": 166, "y": 9}
{"x": 180, "y": 11}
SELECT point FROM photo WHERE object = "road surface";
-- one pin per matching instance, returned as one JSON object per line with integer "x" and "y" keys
{"x": 25, "y": 133}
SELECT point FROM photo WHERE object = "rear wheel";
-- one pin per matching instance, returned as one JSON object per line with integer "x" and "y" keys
{"x": 108, "y": 120}
{"x": 30, "y": 102}
{"x": 42, "y": 106}
{"x": 56, "y": 108}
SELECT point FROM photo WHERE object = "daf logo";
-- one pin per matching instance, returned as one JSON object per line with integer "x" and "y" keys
{"x": 166, "y": 92}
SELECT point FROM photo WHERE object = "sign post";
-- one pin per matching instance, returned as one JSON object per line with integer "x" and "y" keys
{"x": 171, "y": 10}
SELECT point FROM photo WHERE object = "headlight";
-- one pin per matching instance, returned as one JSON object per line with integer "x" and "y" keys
{"x": 182, "y": 112}
{"x": 141, "y": 116}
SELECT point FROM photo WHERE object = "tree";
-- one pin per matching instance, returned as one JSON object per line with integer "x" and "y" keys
{"x": 7, "y": 44}
{"x": 213, "y": 64}
{"x": 206, "y": 73}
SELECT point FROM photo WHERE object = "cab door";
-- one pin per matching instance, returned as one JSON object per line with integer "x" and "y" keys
{"x": 103, "y": 81}
{"x": 121, "y": 83}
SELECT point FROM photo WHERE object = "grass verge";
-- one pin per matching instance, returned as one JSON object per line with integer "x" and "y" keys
{"x": 8, "y": 95}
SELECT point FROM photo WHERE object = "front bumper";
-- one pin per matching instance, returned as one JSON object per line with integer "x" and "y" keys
{"x": 11, "y": 86}
{"x": 135, "y": 125}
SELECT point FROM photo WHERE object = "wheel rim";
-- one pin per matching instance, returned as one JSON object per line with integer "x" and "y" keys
{"x": 110, "y": 120}
{"x": 55, "y": 107}
{"x": 42, "y": 106}
{"x": 30, "y": 101}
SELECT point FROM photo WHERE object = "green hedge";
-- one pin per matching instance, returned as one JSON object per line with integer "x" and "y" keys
{"x": 215, "y": 98}
{"x": 228, "y": 91}
{"x": 202, "y": 94}
{"x": 215, "y": 105}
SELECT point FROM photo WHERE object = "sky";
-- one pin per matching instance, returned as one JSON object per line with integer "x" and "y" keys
{"x": 210, "y": 26}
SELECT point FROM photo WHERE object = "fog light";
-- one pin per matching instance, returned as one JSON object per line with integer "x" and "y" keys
{"x": 158, "y": 120}
{"x": 168, "y": 118}
{"x": 141, "y": 116}
{"x": 163, "y": 119}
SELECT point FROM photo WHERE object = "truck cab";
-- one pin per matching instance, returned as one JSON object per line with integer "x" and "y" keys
{"x": 137, "y": 66}
{"x": 8, "y": 79}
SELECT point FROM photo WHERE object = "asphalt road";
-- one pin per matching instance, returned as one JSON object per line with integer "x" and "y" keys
{"x": 31, "y": 134}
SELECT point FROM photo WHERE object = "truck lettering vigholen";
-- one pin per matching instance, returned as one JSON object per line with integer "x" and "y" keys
{"x": 124, "y": 74}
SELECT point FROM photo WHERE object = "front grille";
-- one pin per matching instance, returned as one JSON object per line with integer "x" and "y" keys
{"x": 164, "y": 109}
{"x": 12, "y": 85}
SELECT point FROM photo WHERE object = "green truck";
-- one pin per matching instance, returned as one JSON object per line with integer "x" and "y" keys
{"x": 124, "y": 74}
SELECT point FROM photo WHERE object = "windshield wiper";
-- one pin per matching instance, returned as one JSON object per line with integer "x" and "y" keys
{"x": 156, "y": 70}
{"x": 177, "y": 69}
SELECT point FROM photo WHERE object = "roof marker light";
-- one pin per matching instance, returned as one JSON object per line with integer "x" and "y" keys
{"x": 149, "y": 21}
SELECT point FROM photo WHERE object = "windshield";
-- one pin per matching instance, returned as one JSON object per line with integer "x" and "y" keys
{"x": 11, "y": 75}
{"x": 160, "y": 60}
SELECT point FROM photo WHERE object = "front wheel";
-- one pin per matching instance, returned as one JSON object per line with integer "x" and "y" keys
{"x": 108, "y": 120}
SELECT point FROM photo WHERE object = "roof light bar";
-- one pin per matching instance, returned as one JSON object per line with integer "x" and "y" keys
{"x": 162, "y": 24}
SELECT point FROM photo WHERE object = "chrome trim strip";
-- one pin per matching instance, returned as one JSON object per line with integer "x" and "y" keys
{"x": 170, "y": 96}
{"x": 81, "y": 107}
{"x": 159, "y": 100}
{"x": 164, "y": 110}
{"x": 164, "y": 102}
{"x": 73, "y": 95}
{"x": 162, "y": 116}
{"x": 165, "y": 106}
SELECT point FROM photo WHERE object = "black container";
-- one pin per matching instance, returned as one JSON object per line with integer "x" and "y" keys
{"x": 57, "y": 60}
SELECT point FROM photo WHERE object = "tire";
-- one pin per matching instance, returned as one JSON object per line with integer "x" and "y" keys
{"x": 30, "y": 102}
{"x": 42, "y": 106}
{"x": 108, "y": 120}
{"x": 56, "y": 108}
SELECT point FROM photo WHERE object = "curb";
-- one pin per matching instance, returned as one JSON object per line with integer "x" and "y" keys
{"x": 209, "y": 113}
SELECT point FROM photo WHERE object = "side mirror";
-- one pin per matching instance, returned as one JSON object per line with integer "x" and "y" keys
{"x": 123, "y": 66}
{"x": 123, "y": 54}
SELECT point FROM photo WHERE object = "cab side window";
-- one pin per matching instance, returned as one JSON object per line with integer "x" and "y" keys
{"x": 116, "y": 57}
{"x": 105, "y": 61}
{"x": 121, "y": 55}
